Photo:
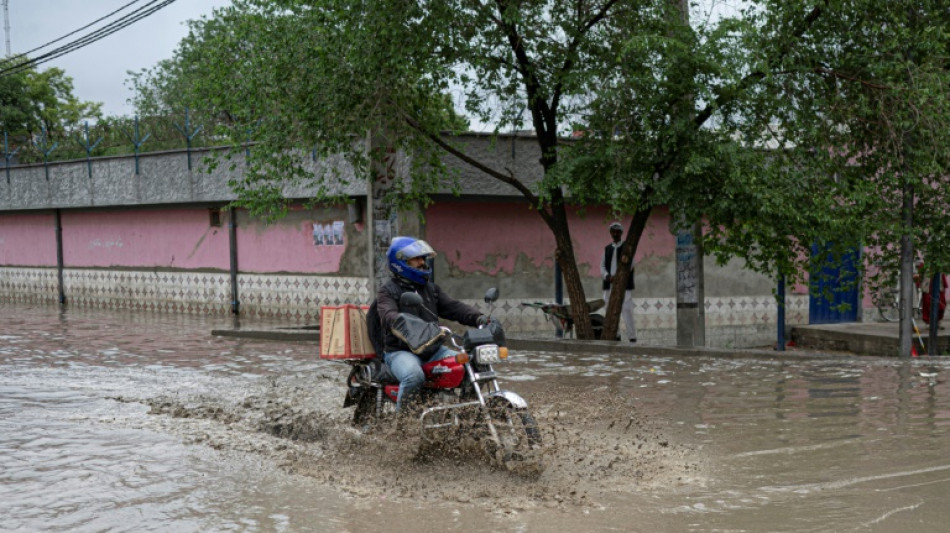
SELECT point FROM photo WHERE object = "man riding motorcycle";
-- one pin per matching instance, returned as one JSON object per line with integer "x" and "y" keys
{"x": 407, "y": 261}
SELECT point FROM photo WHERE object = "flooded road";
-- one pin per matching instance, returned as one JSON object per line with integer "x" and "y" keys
{"x": 117, "y": 421}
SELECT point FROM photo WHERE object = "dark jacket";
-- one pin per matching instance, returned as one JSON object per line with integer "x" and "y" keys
{"x": 437, "y": 302}
{"x": 608, "y": 257}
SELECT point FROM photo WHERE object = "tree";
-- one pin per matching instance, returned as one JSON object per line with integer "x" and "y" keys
{"x": 672, "y": 122}
{"x": 869, "y": 86}
{"x": 780, "y": 128}
{"x": 33, "y": 101}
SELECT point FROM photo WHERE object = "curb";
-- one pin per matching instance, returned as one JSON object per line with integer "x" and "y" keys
{"x": 302, "y": 334}
{"x": 620, "y": 348}
{"x": 276, "y": 334}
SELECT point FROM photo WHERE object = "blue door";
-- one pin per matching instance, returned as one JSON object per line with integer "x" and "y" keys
{"x": 833, "y": 288}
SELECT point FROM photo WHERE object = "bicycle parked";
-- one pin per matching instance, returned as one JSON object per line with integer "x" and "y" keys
{"x": 561, "y": 316}
{"x": 887, "y": 299}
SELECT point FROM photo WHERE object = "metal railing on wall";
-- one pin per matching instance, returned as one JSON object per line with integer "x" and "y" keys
{"x": 116, "y": 136}
{"x": 120, "y": 137}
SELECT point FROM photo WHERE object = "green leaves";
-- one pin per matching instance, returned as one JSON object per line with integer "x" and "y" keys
{"x": 32, "y": 101}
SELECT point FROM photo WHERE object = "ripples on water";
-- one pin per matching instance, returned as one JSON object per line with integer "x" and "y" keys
{"x": 73, "y": 459}
{"x": 789, "y": 445}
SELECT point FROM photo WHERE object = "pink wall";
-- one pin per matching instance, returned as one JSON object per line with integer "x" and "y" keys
{"x": 28, "y": 239}
{"x": 506, "y": 230}
{"x": 170, "y": 238}
{"x": 287, "y": 246}
{"x": 184, "y": 238}
{"x": 591, "y": 236}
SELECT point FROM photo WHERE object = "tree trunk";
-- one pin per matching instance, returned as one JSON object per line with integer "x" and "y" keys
{"x": 905, "y": 336}
{"x": 564, "y": 255}
{"x": 637, "y": 225}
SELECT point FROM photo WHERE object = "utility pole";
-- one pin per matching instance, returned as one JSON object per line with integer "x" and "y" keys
{"x": 690, "y": 276}
{"x": 6, "y": 25}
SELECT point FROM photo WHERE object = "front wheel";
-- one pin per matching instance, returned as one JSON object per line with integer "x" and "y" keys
{"x": 519, "y": 438}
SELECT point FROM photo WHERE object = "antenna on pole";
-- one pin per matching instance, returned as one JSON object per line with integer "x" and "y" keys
{"x": 6, "y": 25}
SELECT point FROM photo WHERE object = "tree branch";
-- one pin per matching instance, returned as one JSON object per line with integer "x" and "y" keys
{"x": 727, "y": 95}
{"x": 572, "y": 49}
{"x": 539, "y": 108}
{"x": 835, "y": 74}
{"x": 505, "y": 178}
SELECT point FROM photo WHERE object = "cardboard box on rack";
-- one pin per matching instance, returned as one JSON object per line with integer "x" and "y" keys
{"x": 343, "y": 333}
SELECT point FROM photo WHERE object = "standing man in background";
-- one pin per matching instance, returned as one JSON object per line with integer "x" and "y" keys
{"x": 608, "y": 271}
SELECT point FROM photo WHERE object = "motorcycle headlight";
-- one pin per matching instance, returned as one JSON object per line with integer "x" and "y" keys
{"x": 487, "y": 354}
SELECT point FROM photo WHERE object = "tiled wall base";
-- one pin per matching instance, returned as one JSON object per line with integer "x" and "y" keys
{"x": 730, "y": 322}
{"x": 297, "y": 298}
{"x": 29, "y": 285}
{"x": 172, "y": 292}
{"x": 737, "y": 322}
{"x": 287, "y": 297}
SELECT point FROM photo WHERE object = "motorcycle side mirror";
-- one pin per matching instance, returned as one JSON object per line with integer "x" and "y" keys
{"x": 490, "y": 296}
{"x": 410, "y": 299}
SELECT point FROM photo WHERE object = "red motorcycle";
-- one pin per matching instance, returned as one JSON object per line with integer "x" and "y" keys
{"x": 461, "y": 395}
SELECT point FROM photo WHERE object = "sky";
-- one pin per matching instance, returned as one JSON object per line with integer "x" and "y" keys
{"x": 99, "y": 70}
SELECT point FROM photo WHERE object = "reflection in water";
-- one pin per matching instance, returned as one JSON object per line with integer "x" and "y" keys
{"x": 73, "y": 459}
{"x": 783, "y": 445}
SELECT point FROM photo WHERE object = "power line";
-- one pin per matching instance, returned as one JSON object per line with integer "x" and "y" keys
{"x": 100, "y": 19}
{"x": 105, "y": 31}
{"x": 121, "y": 23}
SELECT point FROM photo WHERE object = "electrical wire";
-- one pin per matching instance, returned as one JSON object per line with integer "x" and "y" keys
{"x": 105, "y": 31}
{"x": 119, "y": 24}
{"x": 98, "y": 20}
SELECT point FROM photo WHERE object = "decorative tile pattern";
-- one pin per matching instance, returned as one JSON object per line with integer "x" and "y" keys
{"x": 730, "y": 321}
{"x": 29, "y": 285}
{"x": 297, "y": 298}
{"x": 176, "y": 292}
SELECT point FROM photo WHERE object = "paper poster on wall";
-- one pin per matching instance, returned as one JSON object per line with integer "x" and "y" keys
{"x": 318, "y": 235}
{"x": 382, "y": 235}
{"x": 686, "y": 269}
{"x": 338, "y": 232}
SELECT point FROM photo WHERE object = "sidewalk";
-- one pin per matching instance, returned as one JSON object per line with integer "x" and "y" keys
{"x": 311, "y": 334}
{"x": 817, "y": 341}
{"x": 864, "y": 338}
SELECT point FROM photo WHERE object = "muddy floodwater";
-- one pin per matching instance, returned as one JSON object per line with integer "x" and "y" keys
{"x": 120, "y": 421}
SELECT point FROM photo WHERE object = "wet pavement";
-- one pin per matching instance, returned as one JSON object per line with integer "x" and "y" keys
{"x": 119, "y": 421}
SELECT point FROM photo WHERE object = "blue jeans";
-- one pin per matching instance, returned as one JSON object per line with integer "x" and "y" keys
{"x": 407, "y": 367}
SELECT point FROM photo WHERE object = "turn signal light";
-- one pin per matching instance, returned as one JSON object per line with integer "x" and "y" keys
{"x": 461, "y": 358}
{"x": 503, "y": 352}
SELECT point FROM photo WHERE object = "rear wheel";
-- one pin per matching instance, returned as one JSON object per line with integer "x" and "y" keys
{"x": 366, "y": 411}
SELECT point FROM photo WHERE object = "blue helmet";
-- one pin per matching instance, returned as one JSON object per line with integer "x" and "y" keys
{"x": 401, "y": 251}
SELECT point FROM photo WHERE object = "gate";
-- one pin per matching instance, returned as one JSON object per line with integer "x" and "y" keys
{"x": 833, "y": 290}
